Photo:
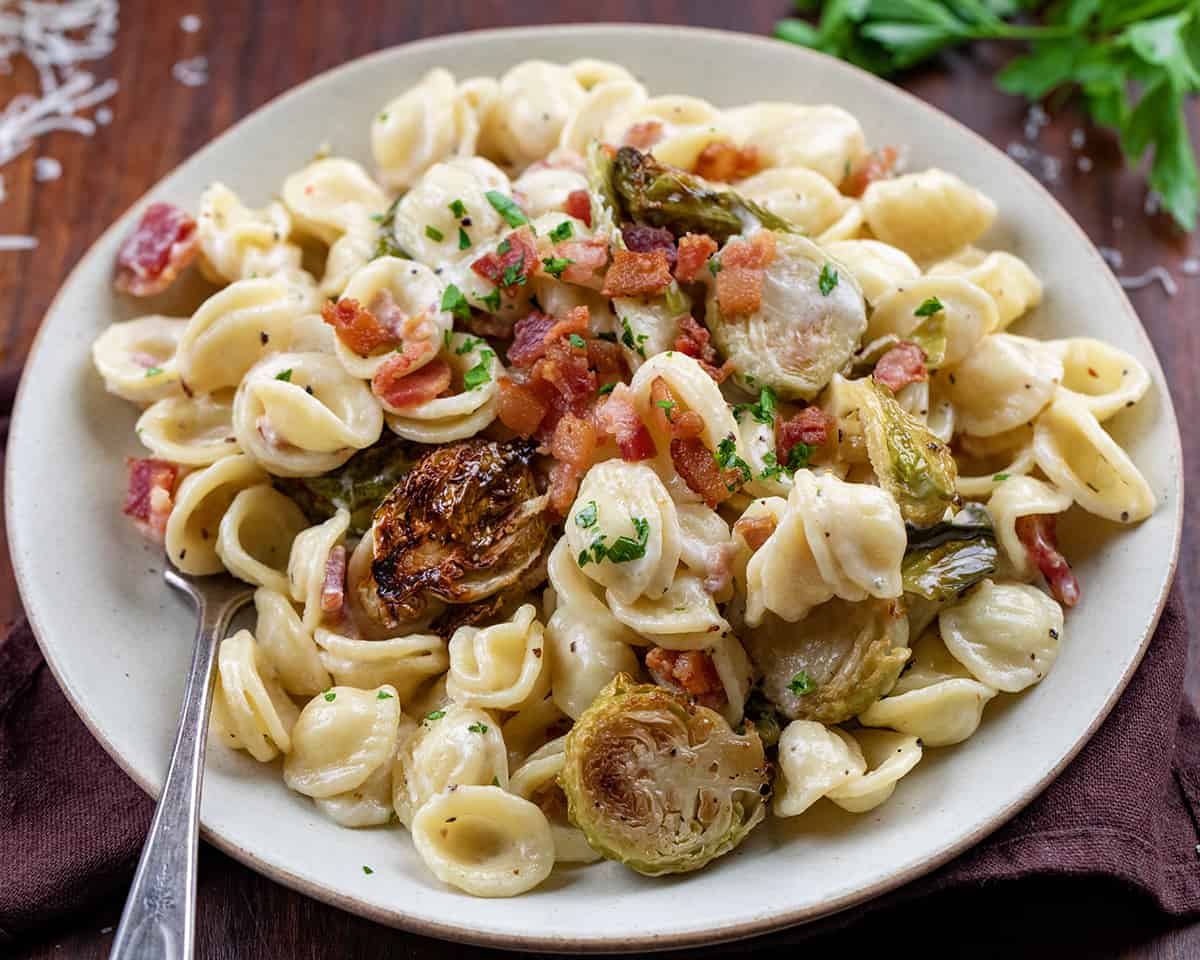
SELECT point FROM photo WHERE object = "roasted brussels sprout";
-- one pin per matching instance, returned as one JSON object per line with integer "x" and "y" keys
{"x": 833, "y": 664}
{"x": 661, "y": 784}
{"x": 466, "y": 523}
{"x": 643, "y": 190}
{"x": 911, "y": 463}
{"x": 359, "y": 485}
{"x": 944, "y": 560}
{"x": 804, "y": 332}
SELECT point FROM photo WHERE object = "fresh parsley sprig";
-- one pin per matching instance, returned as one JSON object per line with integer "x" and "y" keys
{"x": 1134, "y": 63}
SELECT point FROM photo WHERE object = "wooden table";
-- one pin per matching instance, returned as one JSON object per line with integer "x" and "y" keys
{"x": 256, "y": 49}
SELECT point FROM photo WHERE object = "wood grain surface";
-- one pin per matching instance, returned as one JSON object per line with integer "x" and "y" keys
{"x": 256, "y": 49}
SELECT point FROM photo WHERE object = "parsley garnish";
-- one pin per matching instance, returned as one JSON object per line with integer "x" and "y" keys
{"x": 454, "y": 301}
{"x": 507, "y": 208}
{"x": 622, "y": 550}
{"x": 726, "y": 457}
{"x": 928, "y": 307}
{"x": 606, "y": 389}
{"x": 330, "y": 695}
{"x": 564, "y": 231}
{"x": 828, "y": 280}
{"x": 457, "y": 208}
{"x": 433, "y": 233}
{"x": 514, "y": 273}
{"x": 154, "y": 371}
{"x": 435, "y": 715}
{"x": 667, "y": 406}
{"x": 504, "y": 246}
{"x": 763, "y": 411}
{"x": 714, "y": 266}
{"x": 383, "y": 117}
{"x": 481, "y": 373}
{"x": 577, "y": 341}
{"x": 467, "y": 346}
{"x": 383, "y": 695}
{"x": 491, "y": 301}
{"x": 556, "y": 265}
{"x": 284, "y": 375}
{"x": 999, "y": 477}
{"x": 798, "y": 457}
{"x": 772, "y": 468}
{"x": 367, "y": 870}
{"x": 587, "y": 516}
{"x": 464, "y": 241}
{"x": 495, "y": 781}
{"x": 627, "y": 338}
{"x": 480, "y": 728}
{"x": 386, "y": 245}
{"x": 801, "y": 684}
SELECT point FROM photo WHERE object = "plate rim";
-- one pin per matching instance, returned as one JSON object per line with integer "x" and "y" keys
{"x": 774, "y": 922}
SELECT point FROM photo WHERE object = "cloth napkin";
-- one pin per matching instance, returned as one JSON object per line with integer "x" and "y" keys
{"x": 1127, "y": 808}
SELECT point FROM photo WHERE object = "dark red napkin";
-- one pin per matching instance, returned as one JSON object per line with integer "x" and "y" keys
{"x": 1127, "y": 808}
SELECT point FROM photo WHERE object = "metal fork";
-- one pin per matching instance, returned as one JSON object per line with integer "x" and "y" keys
{"x": 159, "y": 920}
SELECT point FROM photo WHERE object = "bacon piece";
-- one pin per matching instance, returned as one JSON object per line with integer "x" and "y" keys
{"x": 588, "y": 258}
{"x": 333, "y": 590}
{"x": 520, "y": 408}
{"x": 866, "y": 170}
{"x": 513, "y": 266}
{"x": 1039, "y": 534}
{"x": 643, "y": 135}
{"x": 698, "y": 468}
{"x": 357, "y": 327}
{"x": 619, "y": 419}
{"x": 148, "y": 498}
{"x": 573, "y": 446}
{"x": 637, "y": 274}
{"x": 718, "y": 568}
{"x": 566, "y": 371}
{"x": 529, "y": 339}
{"x": 607, "y": 360}
{"x": 722, "y": 160}
{"x": 579, "y": 206}
{"x": 694, "y": 340}
{"x": 400, "y": 389}
{"x": 755, "y": 530}
{"x": 672, "y": 420}
{"x": 490, "y": 325}
{"x": 900, "y": 366}
{"x": 743, "y": 270}
{"x": 575, "y": 322}
{"x": 643, "y": 239}
{"x": 162, "y": 244}
{"x": 692, "y": 671}
{"x": 811, "y": 426}
{"x": 694, "y": 251}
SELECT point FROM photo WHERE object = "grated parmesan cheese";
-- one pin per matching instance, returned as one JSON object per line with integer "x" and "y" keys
{"x": 1154, "y": 274}
{"x": 46, "y": 168}
{"x": 17, "y": 242}
{"x": 191, "y": 73}
{"x": 190, "y": 23}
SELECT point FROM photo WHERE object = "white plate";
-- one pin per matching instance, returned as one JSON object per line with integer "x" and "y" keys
{"x": 118, "y": 640}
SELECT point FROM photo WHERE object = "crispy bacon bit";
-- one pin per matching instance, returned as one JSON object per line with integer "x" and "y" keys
{"x": 693, "y": 340}
{"x": 1038, "y": 533}
{"x": 512, "y": 267}
{"x": 490, "y": 325}
{"x": 573, "y": 446}
{"x": 697, "y": 467}
{"x": 520, "y": 408}
{"x": 148, "y": 499}
{"x": 357, "y": 327}
{"x": 743, "y": 270}
{"x": 866, "y": 170}
{"x": 579, "y": 206}
{"x": 718, "y": 568}
{"x": 575, "y": 322}
{"x": 162, "y": 244}
{"x": 811, "y": 426}
{"x": 900, "y": 366}
{"x": 588, "y": 260}
{"x": 643, "y": 135}
{"x": 333, "y": 590}
{"x": 400, "y": 389}
{"x": 619, "y": 419}
{"x": 529, "y": 339}
{"x": 755, "y": 530}
{"x": 671, "y": 418}
{"x": 643, "y": 239}
{"x": 692, "y": 671}
{"x": 694, "y": 251}
{"x": 721, "y": 160}
{"x": 637, "y": 274}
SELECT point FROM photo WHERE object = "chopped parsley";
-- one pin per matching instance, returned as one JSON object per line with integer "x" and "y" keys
{"x": 383, "y": 117}
{"x": 504, "y": 246}
{"x": 714, "y": 266}
{"x": 606, "y": 389}
{"x": 828, "y": 280}
{"x": 481, "y": 373}
{"x": 564, "y": 231}
{"x": 763, "y": 411}
{"x": 367, "y": 870}
{"x": 435, "y": 715}
{"x": 577, "y": 341}
{"x": 514, "y": 273}
{"x": 457, "y": 208}
{"x": 772, "y": 468}
{"x": 726, "y": 457}
{"x": 507, "y": 208}
{"x": 556, "y": 265}
{"x": 385, "y": 244}
{"x": 446, "y": 340}
{"x": 464, "y": 241}
{"x": 495, "y": 781}
{"x": 480, "y": 728}
{"x": 284, "y": 375}
{"x": 667, "y": 406}
{"x": 637, "y": 345}
{"x": 801, "y": 684}
{"x": 330, "y": 695}
{"x": 454, "y": 301}
{"x": 467, "y": 346}
{"x": 491, "y": 301}
{"x": 154, "y": 371}
{"x": 999, "y": 477}
{"x": 928, "y": 307}
{"x": 622, "y": 550}
{"x": 383, "y": 695}
{"x": 433, "y": 233}
{"x": 798, "y": 457}
{"x": 587, "y": 516}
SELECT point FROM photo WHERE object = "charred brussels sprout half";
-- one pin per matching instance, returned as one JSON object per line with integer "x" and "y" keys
{"x": 946, "y": 559}
{"x": 661, "y": 784}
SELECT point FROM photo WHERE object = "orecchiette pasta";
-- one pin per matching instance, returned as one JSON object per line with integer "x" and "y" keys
{"x": 236, "y": 241}
{"x": 425, "y": 211}
{"x": 255, "y": 536}
{"x": 824, "y": 138}
{"x": 403, "y": 663}
{"x": 367, "y": 805}
{"x": 1104, "y": 379}
{"x": 137, "y": 358}
{"x": 200, "y": 504}
{"x": 604, "y": 102}
{"x": 497, "y": 667}
{"x": 1016, "y": 497}
{"x": 308, "y": 561}
{"x": 462, "y": 414}
{"x": 331, "y": 196}
{"x": 288, "y": 645}
{"x": 877, "y": 267}
{"x": 250, "y": 710}
{"x": 195, "y": 431}
{"x": 968, "y": 313}
{"x": 416, "y": 130}
{"x": 1005, "y": 382}
{"x": 799, "y": 195}
{"x": 813, "y": 759}
{"x": 536, "y": 780}
{"x": 1007, "y": 279}
{"x": 889, "y": 756}
{"x": 928, "y": 215}
{"x": 535, "y": 100}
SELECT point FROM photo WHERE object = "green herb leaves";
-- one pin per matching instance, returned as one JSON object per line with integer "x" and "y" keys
{"x": 556, "y": 265}
{"x": 507, "y": 208}
{"x": 929, "y": 307}
{"x": 479, "y": 728}
{"x": 433, "y": 233}
{"x": 828, "y": 280}
{"x": 586, "y": 517}
{"x": 284, "y": 375}
{"x": 763, "y": 411}
{"x": 435, "y": 715}
{"x": 564, "y": 231}
{"x": 801, "y": 684}
{"x": 481, "y": 373}
{"x": 454, "y": 301}
{"x": 727, "y": 457}
{"x": 638, "y": 344}
{"x": 621, "y": 550}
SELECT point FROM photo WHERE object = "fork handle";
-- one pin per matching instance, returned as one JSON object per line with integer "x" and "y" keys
{"x": 158, "y": 922}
